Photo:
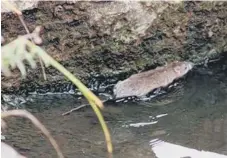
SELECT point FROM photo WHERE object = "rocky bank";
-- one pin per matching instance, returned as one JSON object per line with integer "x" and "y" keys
{"x": 101, "y": 42}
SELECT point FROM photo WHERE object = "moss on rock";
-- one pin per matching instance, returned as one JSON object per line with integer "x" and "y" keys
{"x": 112, "y": 38}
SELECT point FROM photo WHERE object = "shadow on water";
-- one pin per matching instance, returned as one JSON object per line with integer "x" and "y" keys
{"x": 197, "y": 118}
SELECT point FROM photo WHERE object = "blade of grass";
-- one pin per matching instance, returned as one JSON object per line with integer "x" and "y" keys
{"x": 50, "y": 61}
{"x": 93, "y": 99}
{"x": 104, "y": 127}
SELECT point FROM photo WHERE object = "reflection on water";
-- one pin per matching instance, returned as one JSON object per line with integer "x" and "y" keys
{"x": 196, "y": 120}
{"x": 179, "y": 151}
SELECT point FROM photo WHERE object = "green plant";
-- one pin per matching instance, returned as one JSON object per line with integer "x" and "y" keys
{"x": 24, "y": 48}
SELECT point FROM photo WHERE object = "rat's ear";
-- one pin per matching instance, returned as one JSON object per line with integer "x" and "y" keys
{"x": 177, "y": 69}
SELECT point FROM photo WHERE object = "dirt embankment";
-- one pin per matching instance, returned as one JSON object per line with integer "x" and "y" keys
{"x": 113, "y": 38}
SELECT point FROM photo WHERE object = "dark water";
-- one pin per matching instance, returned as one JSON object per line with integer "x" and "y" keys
{"x": 197, "y": 118}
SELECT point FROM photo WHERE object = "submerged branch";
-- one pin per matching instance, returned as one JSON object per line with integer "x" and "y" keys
{"x": 74, "y": 109}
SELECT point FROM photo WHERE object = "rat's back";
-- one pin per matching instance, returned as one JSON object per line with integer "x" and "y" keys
{"x": 142, "y": 83}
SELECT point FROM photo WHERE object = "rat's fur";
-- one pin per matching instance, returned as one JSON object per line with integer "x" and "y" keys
{"x": 142, "y": 83}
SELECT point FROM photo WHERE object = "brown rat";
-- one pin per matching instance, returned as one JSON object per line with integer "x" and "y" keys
{"x": 142, "y": 83}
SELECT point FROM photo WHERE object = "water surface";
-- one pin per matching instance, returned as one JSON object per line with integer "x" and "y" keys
{"x": 197, "y": 118}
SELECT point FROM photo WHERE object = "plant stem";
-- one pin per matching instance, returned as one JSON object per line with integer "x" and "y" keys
{"x": 93, "y": 99}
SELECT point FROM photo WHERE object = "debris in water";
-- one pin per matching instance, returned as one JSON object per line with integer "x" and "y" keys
{"x": 142, "y": 124}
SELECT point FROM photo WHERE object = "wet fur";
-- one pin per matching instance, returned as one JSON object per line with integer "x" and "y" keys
{"x": 143, "y": 83}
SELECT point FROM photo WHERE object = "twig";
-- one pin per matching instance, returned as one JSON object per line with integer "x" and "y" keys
{"x": 75, "y": 109}
{"x": 37, "y": 123}
{"x": 28, "y": 32}
{"x": 12, "y": 7}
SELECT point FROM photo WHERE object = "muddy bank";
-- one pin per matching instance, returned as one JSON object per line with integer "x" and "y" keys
{"x": 114, "y": 39}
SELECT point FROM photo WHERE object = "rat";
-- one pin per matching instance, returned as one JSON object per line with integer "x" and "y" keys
{"x": 142, "y": 83}
{"x": 138, "y": 85}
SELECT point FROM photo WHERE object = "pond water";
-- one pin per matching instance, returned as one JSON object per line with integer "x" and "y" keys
{"x": 195, "y": 119}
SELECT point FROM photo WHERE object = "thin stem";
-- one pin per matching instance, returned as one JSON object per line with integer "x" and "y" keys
{"x": 104, "y": 127}
{"x": 93, "y": 99}
{"x": 37, "y": 123}
{"x": 12, "y": 7}
{"x": 28, "y": 32}
{"x": 49, "y": 60}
